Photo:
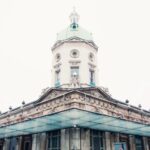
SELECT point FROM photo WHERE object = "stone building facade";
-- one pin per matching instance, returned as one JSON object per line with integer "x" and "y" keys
{"x": 75, "y": 114}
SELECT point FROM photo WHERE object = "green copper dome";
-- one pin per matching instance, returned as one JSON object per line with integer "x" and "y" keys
{"x": 74, "y": 30}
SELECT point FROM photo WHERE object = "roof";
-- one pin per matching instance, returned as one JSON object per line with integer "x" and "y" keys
{"x": 76, "y": 31}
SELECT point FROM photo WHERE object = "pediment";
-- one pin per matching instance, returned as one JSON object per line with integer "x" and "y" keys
{"x": 51, "y": 94}
{"x": 97, "y": 92}
{"x": 60, "y": 92}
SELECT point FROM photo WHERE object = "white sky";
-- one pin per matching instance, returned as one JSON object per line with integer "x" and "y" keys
{"x": 121, "y": 29}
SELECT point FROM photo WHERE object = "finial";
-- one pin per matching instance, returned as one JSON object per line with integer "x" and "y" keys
{"x": 23, "y": 103}
{"x": 74, "y": 18}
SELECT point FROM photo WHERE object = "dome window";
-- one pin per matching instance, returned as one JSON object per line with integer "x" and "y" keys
{"x": 91, "y": 56}
{"x": 57, "y": 57}
{"x": 74, "y": 53}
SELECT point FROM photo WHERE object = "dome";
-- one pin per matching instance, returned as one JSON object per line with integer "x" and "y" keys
{"x": 74, "y": 30}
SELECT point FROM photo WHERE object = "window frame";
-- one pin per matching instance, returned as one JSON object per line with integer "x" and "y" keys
{"x": 100, "y": 136}
{"x": 139, "y": 145}
{"x": 71, "y": 71}
{"x": 57, "y": 77}
{"x": 51, "y": 135}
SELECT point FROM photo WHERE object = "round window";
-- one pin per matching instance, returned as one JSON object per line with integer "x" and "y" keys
{"x": 57, "y": 57}
{"x": 74, "y": 53}
{"x": 91, "y": 56}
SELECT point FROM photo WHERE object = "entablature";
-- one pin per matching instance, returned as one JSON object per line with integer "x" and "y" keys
{"x": 56, "y": 100}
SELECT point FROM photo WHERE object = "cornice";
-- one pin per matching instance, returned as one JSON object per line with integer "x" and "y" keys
{"x": 75, "y": 98}
{"x": 74, "y": 39}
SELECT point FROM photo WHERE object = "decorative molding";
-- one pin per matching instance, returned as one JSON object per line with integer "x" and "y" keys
{"x": 74, "y": 63}
{"x": 92, "y": 66}
{"x": 75, "y": 39}
{"x": 58, "y": 101}
{"x": 57, "y": 66}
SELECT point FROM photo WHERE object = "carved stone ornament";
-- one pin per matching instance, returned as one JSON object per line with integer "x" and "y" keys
{"x": 74, "y": 63}
{"x": 75, "y": 81}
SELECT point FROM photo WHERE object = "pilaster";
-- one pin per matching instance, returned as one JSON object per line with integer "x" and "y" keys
{"x": 117, "y": 137}
{"x": 107, "y": 141}
{"x": 43, "y": 139}
{"x": 85, "y": 139}
{"x": 75, "y": 139}
{"x": 6, "y": 144}
{"x": 65, "y": 139}
{"x": 35, "y": 142}
{"x": 145, "y": 143}
{"x": 19, "y": 142}
{"x": 132, "y": 142}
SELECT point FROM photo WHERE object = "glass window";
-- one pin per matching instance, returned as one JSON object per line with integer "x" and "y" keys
{"x": 139, "y": 143}
{"x": 27, "y": 142}
{"x": 96, "y": 140}
{"x": 54, "y": 140}
{"x": 75, "y": 71}
{"x": 27, "y": 146}
{"x": 13, "y": 143}
{"x": 125, "y": 140}
{"x": 57, "y": 77}
{"x": 1, "y": 144}
{"x": 92, "y": 73}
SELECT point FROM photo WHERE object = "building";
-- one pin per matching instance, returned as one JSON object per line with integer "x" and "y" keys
{"x": 75, "y": 114}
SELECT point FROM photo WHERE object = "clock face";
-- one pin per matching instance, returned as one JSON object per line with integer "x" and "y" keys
{"x": 74, "y": 53}
{"x": 91, "y": 57}
{"x": 57, "y": 57}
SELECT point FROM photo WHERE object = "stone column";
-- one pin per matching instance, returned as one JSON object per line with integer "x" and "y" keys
{"x": 85, "y": 139}
{"x": 65, "y": 139}
{"x": 43, "y": 139}
{"x": 35, "y": 142}
{"x": 6, "y": 144}
{"x": 145, "y": 143}
{"x": 117, "y": 137}
{"x": 19, "y": 143}
{"x": 107, "y": 141}
{"x": 75, "y": 139}
{"x": 132, "y": 142}
{"x": 112, "y": 139}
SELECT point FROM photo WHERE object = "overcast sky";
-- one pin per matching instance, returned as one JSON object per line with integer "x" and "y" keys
{"x": 28, "y": 28}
